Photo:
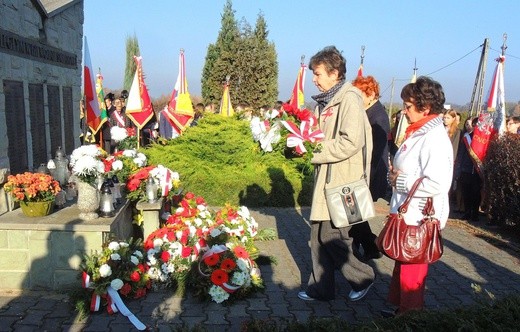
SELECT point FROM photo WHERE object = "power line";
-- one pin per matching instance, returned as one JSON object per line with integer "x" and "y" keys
{"x": 507, "y": 54}
{"x": 433, "y": 72}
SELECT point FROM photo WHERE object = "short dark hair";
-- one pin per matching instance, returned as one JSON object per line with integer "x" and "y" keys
{"x": 425, "y": 92}
{"x": 332, "y": 59}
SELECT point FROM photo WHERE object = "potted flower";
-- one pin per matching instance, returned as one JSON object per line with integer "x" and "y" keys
{"x": 35, "y": 192}
{"x": 88, "y": 172}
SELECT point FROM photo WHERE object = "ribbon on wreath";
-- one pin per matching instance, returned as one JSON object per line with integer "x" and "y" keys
{"x": 165, "y": 177}
{"x": 301, "y": 134}
{"x": 114, "y": 302}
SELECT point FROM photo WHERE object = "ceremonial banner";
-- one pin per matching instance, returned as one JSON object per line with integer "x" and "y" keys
{"x": 360, "y": 70}
{"x": 491, "y": 121}
{"x": 297, "y": 98}
{"x": 92, "y": 110}
{"x": 180, "y": 109}
{"x": 226, "y": 109}
{"x": 139, "y": 106}
{"x": 101, "y": 97}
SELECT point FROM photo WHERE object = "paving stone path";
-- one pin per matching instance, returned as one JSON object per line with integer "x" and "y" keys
{"x": 472, "y": 259}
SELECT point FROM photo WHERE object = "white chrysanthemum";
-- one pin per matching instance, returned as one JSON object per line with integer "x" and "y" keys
{"x": 176, "y": 249}
{"x": 167, "y": 268}
{"x": 243, "y": 264}
{"x": 124, "y": 244}
{"x": 140, "y": 162}
{"x": 174, "y": 176}
{"x": 86, "y": 165}
{"x": 130, "y": 153}
{"x": 105, "y": 270}
{"x": 138, "y": 253}
{"x": 118, "y": 133}
{"x": 153, "y": 273}
{"x": 115, "y": 257}
{"x": 134, "y": 260}
{"x": 197, "y": 222}
{"x": 179, "y": 210}
{"x": 151, "y": 257}
{"x": 84, "y": 150}
{"x": 117, "y": 165}
{"x": 239, "y": 278}
{"x": 215, "y": 232}
{"x": 116, "y": 284}
{"x": 157, "y": 243}
{"x": 218, "y": 294}
{"x": 193, "y": 230}
{"x": 114, "y": 246}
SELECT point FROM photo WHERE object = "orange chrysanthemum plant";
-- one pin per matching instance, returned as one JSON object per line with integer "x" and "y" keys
{"x": 32, "y": 187}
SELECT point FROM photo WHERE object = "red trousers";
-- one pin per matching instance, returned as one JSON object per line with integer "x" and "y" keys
{"x": 407, "y": 286}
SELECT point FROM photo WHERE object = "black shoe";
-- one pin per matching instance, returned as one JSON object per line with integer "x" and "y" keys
{"x": 372, "y": 255}
{"x": 388, "y": 313}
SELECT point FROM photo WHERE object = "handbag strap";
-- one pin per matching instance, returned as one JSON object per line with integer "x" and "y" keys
{"x": 329, "y": 165}
{"x": 428, "y": 209}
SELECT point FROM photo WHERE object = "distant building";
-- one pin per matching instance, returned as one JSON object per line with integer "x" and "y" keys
{"x": 41, "y": 45}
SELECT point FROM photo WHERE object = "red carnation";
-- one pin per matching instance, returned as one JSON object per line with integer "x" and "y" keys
{"x": 200, "y": 201}
{"x": 165, "y": 256}
{"x": 189, "y": 195}
{"x": 219, "y": 277}
{"x": 126, "y": 289}
{"x": 141, "y": 268}
{"x": 186, "y": 252}
{"x": 135, "y": 276}
{"x": 133, "y": 184}
{"x": 228, "y": 264}
{"x": 140, "y": 293}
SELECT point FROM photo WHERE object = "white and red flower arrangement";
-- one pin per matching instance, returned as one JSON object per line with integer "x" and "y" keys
{"x": 118, "y": 270}
{"x": 296, "y": 129}
{"x": 211, "y": 253}
{"x": 167, "y": 182}
{"x": 123, "y": 163}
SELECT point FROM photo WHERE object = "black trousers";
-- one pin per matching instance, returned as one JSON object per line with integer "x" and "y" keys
{"x": 363, "y": 236}
{"x": 471, "y": 184}
{"x": 331, "y": 249}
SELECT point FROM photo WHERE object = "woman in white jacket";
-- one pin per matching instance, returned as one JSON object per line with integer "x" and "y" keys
{"x": 426, "y": 151}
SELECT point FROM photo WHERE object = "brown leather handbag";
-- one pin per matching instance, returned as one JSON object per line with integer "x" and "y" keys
{"x": 412, "y": 244}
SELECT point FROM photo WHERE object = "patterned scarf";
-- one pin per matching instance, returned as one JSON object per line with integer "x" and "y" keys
{"x": 323, "y": 98}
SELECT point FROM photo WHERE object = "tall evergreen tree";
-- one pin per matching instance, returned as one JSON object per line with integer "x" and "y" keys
{"x": 132, "y": 48}
{"x": 220, "y": 58}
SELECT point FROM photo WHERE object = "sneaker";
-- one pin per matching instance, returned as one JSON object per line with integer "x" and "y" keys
{"x": 356, "y": 296}
{"x": 305, "y": 297}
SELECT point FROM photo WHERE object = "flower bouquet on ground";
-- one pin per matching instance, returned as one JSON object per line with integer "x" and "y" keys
{"x": 225, "y": 270}
{"x": 118, "y": 270}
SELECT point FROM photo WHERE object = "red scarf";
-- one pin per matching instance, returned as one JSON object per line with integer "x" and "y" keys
{"x": 412, "y": 128}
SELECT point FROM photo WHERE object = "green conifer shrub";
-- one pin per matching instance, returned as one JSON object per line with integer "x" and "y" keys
{"x": 218, "y": 160}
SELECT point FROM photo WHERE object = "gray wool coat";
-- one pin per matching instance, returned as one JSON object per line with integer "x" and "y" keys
{"x": 344, "y": 152}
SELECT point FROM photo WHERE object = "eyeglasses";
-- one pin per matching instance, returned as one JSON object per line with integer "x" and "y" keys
{"x": 407, "y": 107}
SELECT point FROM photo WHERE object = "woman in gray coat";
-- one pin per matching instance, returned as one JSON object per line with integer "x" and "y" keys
{"x": 331, "y": 247}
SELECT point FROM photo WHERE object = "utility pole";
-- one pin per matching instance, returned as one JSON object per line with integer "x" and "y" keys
{"x": 391, "y": 101}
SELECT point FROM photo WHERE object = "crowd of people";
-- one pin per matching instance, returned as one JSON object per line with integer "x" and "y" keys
{"x": 353, "y": 120}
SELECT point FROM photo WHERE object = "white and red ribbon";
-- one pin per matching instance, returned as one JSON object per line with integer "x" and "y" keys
{"x": 301, "y": 134}
{"x": 124, "y": 310}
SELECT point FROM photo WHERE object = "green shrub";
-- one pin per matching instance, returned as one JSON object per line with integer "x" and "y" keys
{"x": 502, "y": 167}
{"x": 219, "y": 160}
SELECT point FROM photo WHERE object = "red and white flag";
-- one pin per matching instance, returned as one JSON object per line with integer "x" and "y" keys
{"x": 297, "y": 97}
{"x": 491, "y": 120}
{"x": 139, "y": 105}
{"x": 92, "y": 110}
{"x": 180, "y": 108}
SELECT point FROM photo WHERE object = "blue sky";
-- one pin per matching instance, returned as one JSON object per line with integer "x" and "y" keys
{"x": 395, "y": 33}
